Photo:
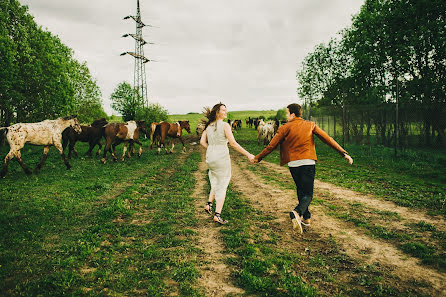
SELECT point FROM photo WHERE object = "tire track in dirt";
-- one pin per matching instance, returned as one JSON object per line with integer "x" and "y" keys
{"x": 280, "y": 201}
{"x": 411, "y": 215}
{"x": 215, "y": 275}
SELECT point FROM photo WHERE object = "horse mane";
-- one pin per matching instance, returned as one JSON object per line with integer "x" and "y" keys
{"x": 70, "y": 117}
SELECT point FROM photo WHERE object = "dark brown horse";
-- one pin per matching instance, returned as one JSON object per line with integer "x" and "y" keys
{"x": 174, "y": 130}
{"x": 91, "y": 134}
{"x": 116, "y": 133}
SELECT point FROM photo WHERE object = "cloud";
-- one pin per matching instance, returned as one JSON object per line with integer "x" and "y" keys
{"x": 245, "y": 53}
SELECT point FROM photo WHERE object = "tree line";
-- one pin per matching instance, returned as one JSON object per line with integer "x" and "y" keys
{"x": 387, "y": 71}
{"x": 39, "y": 77}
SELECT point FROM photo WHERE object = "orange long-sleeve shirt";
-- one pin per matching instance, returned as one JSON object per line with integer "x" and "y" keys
{"x": 297, "y": 143}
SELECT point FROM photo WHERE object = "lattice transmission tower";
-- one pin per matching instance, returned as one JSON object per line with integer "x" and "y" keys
{"x": 139, "y": 74}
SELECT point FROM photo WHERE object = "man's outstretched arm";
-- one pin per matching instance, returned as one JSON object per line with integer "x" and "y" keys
{"x": 322, "y": 135}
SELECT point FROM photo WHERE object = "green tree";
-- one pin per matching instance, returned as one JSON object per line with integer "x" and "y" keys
{"x": 39, "y": 78}
{"x": 124, "y": 101}
{"x": 153, "y": 113}
{"x": 87, "y": 94}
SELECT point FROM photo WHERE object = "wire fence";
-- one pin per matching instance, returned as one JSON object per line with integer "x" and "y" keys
{"x": 391, "y": 125}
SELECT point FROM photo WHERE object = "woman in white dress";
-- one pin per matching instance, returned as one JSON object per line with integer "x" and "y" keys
{"x": 215, "y": 139}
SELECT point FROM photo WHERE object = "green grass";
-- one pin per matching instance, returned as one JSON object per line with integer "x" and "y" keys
{"x": 430, "y": 250}
{"x": 263, "y": 267}
{"x": 71, "y": 232}
{"x": 414, "y": 179}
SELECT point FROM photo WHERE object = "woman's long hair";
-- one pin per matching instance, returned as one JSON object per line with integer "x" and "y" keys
{"x": 211, "y": 114}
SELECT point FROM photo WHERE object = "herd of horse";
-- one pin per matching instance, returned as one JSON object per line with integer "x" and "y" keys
{"x": 67, "y": 131}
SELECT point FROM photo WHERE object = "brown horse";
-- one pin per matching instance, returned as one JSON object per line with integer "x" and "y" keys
{"x": 46, "y": 133}
{"x": 91, "y": 134}
{"x": 174, "y": 130}
{"x": 116, "y": 133}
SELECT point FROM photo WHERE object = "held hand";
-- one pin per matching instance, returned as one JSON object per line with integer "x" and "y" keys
{"x": 349, "y": 159}
{"x": 251, "y": 158}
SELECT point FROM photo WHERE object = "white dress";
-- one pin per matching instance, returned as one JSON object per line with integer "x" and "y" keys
{"x": 218, "y": 160}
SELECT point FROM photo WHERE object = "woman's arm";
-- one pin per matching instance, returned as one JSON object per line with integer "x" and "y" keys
{"x": 234, "y": 144}
{"x": 204, "y": 139}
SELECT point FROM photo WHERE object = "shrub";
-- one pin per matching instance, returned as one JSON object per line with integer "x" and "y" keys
{"x": 154, "y": 113}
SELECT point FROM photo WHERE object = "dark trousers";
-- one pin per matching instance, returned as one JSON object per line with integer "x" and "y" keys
{"x": 303, "y": 177}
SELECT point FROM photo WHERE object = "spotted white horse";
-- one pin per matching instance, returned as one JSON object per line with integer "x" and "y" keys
{"x": 47, "y": 133}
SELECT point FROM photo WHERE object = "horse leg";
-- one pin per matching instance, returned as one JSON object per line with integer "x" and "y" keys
{"x": 182, "y": 142}
{"x": 140, "y": 148}
{"x": 19, "y": 159}
{"x": 131, "y": 150}
{"x": 46, "y": 149}
{"x": 108, "y": 143}
{"x": 124, "y": 150}
{"x": 161, "y": 142}
{"x": 99, "y": 149}
{"x": 113, "y": 151}
{"x": 8, "y": 157}
{"x": 65, "y": 141}
{"x": 59, "y": 148}
{"x": 71, "y": 149}
{"x": 133, "y": 147}
{"x": 173, "y": 145}
{"x": 91, "y": 144}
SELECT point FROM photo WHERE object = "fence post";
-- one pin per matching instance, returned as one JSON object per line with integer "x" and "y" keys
{"x": 328, "y": 124}
{"x": 343, "y": 123}
{"x": 334, "y": 125}
{"x": 396, "y": 120}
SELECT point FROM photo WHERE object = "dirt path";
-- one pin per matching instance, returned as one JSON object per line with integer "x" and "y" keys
{"x": 356, "y": 245}
{"x": 409, "y": 215}
{"x": 215, "y": 277}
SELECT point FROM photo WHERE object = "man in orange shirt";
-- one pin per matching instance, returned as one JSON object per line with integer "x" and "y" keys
{"x": 298, "y": 151}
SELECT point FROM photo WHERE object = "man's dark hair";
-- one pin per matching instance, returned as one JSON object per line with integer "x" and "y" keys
{"x": 295, "y": 108}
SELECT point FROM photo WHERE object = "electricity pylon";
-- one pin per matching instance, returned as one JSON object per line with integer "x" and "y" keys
{"x": 139, "y": 74}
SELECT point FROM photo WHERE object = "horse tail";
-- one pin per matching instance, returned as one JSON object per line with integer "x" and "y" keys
{"x": 3, "y": 132}
{"x": 157, "y": 131}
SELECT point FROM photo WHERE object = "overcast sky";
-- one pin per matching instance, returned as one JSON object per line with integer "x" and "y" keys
{"x": 242, "y": 52}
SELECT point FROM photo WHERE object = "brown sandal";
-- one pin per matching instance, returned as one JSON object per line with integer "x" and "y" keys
{"x": 218, "y": 219}
{"x": 208, "y": 208}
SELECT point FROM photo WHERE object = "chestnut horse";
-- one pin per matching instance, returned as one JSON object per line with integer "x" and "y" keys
{"x": 174, "y": 130}
{"x": 46, "y": 133}
{"x": 91, "y": 134}
{"x": 116, "y": 133}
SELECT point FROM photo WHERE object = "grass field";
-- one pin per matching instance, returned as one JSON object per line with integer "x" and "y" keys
{"x": 194, "y": 118}
{"x": 131, "y": 228}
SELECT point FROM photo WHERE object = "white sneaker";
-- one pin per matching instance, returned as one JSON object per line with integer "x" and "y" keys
{"x": 297, "y": 223}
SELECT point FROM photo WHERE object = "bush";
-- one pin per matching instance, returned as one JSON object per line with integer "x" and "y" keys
{"x": 90, "y": 111}
{"x": 281, "y": 114}
{"x": 154, "y": 113}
